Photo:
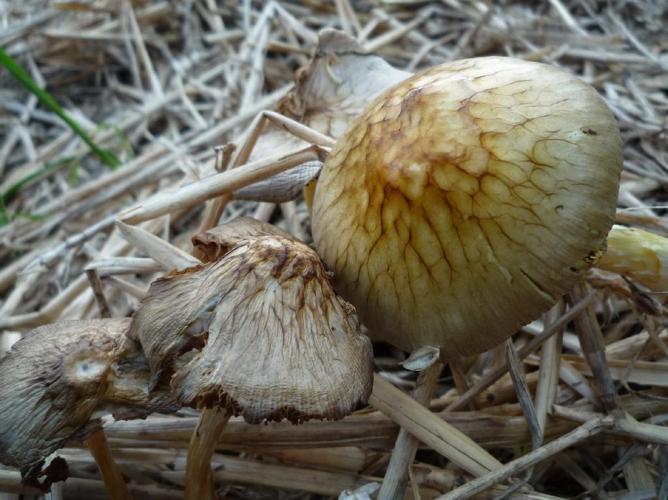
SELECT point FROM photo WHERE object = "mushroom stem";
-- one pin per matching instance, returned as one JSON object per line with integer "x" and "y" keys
{"x": 111, "y": 474}
{"x": 199, "y": 476}
{"x": 405, "y": 447}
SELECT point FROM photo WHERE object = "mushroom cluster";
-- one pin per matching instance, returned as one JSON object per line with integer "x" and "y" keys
{"x": 461, "y": 204}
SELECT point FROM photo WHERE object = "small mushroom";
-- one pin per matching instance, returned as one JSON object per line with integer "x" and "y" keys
{"x": 276, "y": 341}
{"x": 466, "y": 200}
{"x": 57, "y": 376}
{"x": 338, "y": 83}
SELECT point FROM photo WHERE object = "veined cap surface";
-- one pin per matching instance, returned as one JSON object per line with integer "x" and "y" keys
{"x": 466, "y": 200}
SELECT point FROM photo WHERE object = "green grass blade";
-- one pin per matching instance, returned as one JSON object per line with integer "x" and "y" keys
{"x": 107, "y": 157}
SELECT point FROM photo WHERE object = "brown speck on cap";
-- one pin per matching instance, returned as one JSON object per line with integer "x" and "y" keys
{"x": 279, "y": 343}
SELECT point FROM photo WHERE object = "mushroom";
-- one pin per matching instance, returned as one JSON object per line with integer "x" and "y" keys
{"x": 57, "y": 376}
{"x": 462, "y": 204}
{"x": 638, "y": 254}
{"x": 466, "y": 200}
{"x": 276, "y": 341}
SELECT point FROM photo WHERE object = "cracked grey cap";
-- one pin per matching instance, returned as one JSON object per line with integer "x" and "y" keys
{"x": 275, "y": 340}
{"x": 57, "y": 375}
{"x": 466, "y": 200}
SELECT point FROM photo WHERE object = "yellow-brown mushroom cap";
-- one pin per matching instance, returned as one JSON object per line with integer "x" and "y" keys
{"x": 466, "y": 200}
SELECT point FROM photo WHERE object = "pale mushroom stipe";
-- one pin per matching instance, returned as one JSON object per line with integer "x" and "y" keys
{"x": 466, "y": 200}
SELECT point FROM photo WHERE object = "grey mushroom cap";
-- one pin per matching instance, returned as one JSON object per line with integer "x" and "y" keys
{"x": 57, "y": 376}
{"x": 277, "y": 341}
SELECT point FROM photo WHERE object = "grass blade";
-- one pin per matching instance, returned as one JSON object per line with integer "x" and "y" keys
{"x": 107, "y": 157}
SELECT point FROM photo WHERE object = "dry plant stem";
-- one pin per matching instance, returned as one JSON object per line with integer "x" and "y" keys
{"x": 96, "y": 286}
{"x": 528, "y": 348}
{"x": 373, "y": 430}
{"x": 430, "y": 428}
{"x": 624, "y": 425}
{"x": 56, "y": 492}
{"x": 291, "y": 126}
{"x": 80, "y": 487}
{"x": 523, "y": 394}
{"x": 459, "y": 377}
{"x": 548, "y": 379}
{"x": 111, "y": 474}
{"x": 47, "y": 258}
{"x": 214, "y": 209}
{"x": 299, "y": 130}
{"x": 231, "y": 469}
{"x": 480, "y": 484}
{"x": 216, "y": 185}
{"x": 169, "y": 256}
{"x": 59, "y": 305}
{"x": 591, "y": 339}
{"x": 394, "y": 482}
{"x": 111, "y": 266}
{"x": 125, "y": 286}
{"x": 199, "y": 476}
{"x": 663, "y": 472}
{"x": 575, "y": 380}
{"x": 10, "y": 271}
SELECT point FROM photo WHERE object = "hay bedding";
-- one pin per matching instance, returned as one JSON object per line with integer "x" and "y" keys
{"x": 162, "y": 83}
